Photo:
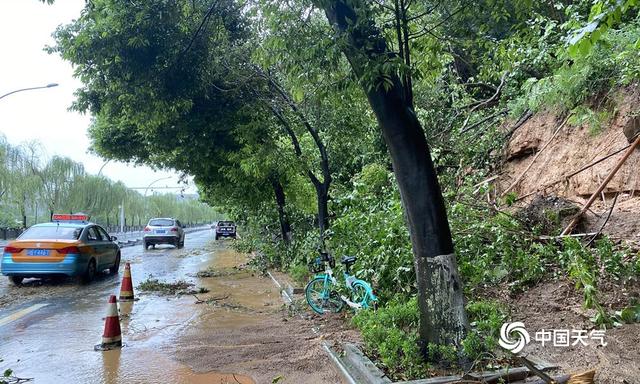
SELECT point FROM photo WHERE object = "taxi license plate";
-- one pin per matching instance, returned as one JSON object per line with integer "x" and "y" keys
{"x": 160, "y": 231}
{"x": 38, "y": 252}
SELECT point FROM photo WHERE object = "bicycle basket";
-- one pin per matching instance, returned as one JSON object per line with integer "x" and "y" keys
{"x": 326, "y": 257}
{"x": 317, "y": 265}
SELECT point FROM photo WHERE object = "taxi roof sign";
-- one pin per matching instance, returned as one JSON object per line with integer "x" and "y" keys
{"x": 69, "y": 217}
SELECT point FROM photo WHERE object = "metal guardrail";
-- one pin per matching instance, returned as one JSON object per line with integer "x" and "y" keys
{"x": 9, "y": 233}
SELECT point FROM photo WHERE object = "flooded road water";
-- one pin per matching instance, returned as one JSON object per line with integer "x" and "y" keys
{"x": 237, "y": 332}
{"x": 48, "y": 329}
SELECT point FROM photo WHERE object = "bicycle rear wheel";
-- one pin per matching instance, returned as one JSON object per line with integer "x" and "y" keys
{"x": 321, "y": 298}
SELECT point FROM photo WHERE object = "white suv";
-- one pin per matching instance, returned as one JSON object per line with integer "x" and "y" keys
{"x": 163, "y": 231}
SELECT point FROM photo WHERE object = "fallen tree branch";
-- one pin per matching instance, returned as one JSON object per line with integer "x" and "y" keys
{"x": 15, "y": 379}
{"x": 488, "y": 102}
{"x": 523, "y": 119}
{"x": 606, "y": 181}
{"x": 613, "y": 204}
{"x": 568, "y": 176}
{"x": 464, "y": 128}
{"x": 519, "y": 178}
{"x": 547, "y": 238}
{"x": 199, "y": 301}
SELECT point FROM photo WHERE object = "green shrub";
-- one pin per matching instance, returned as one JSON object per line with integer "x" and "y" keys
{"x": 486, "y": 317}
{"x": 370, "y": 225}
{"x": 391, "y": 334}
{"x": 614, "y": 61}
{"x": 299, "y": 273}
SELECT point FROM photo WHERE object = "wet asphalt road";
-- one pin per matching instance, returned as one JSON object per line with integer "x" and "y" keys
{"x": 48, "y": 330}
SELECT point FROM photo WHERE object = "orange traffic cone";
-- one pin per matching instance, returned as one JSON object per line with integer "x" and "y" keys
{"x": 112, "y": 336}
{"x": 126, "y": 289}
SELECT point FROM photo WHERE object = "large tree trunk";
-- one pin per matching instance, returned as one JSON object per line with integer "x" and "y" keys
{"x": 443, "y": 318}
{"x": 285, "y": 226}
{"x": 322, "y": 194}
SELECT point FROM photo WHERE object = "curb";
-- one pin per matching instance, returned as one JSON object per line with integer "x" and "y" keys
{"x": 355, "y": 366}
{"x": 338, "y": 363}
{"x": 283, "y": 292}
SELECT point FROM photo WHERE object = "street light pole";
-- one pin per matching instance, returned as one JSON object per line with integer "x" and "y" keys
{"x": 103, "y": 165}
{"x": 29, "y": 89}
{"x": 146, "y": 203}
{"x": 153, "y": 182}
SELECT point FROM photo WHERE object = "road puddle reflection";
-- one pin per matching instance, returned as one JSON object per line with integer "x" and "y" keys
{"x": 143, "y": 366}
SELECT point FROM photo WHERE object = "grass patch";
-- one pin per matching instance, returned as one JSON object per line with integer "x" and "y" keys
{"x": 212, "y": 272}
{"x": 180, "y": 287}
{"x": 300, "y": 273}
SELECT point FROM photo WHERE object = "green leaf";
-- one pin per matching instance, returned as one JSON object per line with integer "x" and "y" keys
{"x": 573, "y": 50}
{"x": 585, "y": 47}
{"x": 8, "y": 372}
{"x": 628, "y": 315}
{"x": 298, "y": 95}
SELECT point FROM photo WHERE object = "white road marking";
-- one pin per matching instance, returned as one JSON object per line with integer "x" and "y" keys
{"x": 21, "y": 313}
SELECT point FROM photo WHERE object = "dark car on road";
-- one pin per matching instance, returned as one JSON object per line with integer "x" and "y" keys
{"x": 225, "y": 229}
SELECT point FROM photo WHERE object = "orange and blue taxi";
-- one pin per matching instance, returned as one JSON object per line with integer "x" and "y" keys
{"x": 70, "y": 245}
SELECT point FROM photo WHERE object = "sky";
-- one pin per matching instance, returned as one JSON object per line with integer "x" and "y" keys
{"x": 42, "y": 115}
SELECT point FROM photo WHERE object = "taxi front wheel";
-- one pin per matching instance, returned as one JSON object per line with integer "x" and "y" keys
{"x": 17, "y": 280}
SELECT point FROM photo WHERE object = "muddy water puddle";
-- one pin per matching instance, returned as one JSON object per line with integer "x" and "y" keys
{"x": 129, "y": 366}
{"x": 237, "y": 287}
{"x": 236, "y": 298}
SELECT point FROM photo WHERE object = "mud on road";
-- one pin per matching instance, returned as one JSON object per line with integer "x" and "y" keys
{"x": 236, "y": 330}
{"x": 247, "y": 329}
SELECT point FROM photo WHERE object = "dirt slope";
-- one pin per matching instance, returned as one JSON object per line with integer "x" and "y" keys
{"x": 571, "y": 149}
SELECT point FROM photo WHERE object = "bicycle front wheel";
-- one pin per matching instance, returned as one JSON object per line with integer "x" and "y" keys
{"x": 321, "y": 298}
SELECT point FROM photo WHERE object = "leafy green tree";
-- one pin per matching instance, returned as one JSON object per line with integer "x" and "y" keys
{"x": 201, "y": 72}
{"x": 603, "y": 15}
{"x": 443, "y": 319}
{"x": 56, "y": 179}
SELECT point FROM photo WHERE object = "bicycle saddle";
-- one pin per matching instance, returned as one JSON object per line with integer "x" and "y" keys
{"x": 348, "y": 259}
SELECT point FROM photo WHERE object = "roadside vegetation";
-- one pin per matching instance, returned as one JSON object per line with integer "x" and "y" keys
{"x": 180, "y": 287}
{"x": 281, "y": 130}
{"x": 33, "y": 188}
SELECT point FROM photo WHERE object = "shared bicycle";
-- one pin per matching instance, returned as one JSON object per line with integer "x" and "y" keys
{"x": 321, "y": 292}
